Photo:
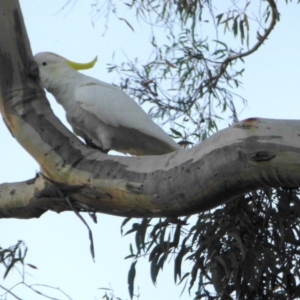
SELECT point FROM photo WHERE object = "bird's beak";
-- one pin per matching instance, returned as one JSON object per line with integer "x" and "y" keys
{"x": 78, "y": 66}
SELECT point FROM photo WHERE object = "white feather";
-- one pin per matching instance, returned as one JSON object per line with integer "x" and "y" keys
{"x": 100, "y": 112}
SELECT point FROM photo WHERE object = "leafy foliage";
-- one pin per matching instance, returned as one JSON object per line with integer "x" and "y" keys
{"x": 109, "y": 295}
{"x": 11, "y": 256}
{"x": 190, "y": 79}
{"x": 247, "y": 249}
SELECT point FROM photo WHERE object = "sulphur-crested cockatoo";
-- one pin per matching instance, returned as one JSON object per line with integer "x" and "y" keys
{"x": 102, "y": 114}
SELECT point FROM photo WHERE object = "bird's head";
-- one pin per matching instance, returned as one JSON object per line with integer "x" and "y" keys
{"x": 53, "y": 67}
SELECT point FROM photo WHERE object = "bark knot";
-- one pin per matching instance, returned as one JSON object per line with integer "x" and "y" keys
{"x": 262, "y": 156}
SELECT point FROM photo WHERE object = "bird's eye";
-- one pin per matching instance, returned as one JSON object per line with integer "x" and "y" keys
{"x": 44, "y": 63}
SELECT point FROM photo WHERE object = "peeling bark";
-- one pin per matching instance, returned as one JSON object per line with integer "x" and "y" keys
{"x": 253, "y": 154}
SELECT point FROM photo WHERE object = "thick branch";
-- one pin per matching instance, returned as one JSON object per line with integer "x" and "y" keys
{"x": 253, "y": 154}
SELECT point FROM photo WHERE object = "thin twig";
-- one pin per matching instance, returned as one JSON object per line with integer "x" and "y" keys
{"x": 10, "y": 292}
{"x": 46, "y": 286}
{"x": 214, "y": 80}
{"x": 85, "y": 223}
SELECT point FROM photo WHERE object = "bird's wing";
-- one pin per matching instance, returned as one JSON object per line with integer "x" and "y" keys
{"x": 113, "y": 107}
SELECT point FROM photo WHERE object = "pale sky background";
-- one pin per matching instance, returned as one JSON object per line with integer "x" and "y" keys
{"x": 58, "y": 243}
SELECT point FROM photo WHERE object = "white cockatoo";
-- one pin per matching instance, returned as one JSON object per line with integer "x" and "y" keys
{"x": 102, "y": 114}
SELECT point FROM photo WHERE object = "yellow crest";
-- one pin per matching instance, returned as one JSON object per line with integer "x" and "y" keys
{"x": 79, "y": 66}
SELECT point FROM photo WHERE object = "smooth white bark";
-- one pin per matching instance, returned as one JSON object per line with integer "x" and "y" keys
{"x": 253, "y": 154}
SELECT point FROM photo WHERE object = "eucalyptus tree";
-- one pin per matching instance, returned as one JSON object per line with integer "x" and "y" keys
{"x": 238, "y": 184}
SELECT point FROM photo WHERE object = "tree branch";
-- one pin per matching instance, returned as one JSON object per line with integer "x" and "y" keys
{"x": 10, "y": 292}
{"x": 253, "y": 154}
{"x": 213, "y": 81}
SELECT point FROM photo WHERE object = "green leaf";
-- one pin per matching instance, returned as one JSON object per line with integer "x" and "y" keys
{"x": 128, "y": 24}
{"x": 178, "y": 261}
{"x": 177, "y": 235}
{"x": 154, "y": 268}
{"x": 126, "y": 220}
{"x": 242, "y": 31}
{"x": 235, "y": 26}
{"x": 175, "y": 132}
{"x": 222, "y": 43}
{"x": 131, "y": 277}
{"x": 239, "y": 243}
{"x": 219, "y": 18}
